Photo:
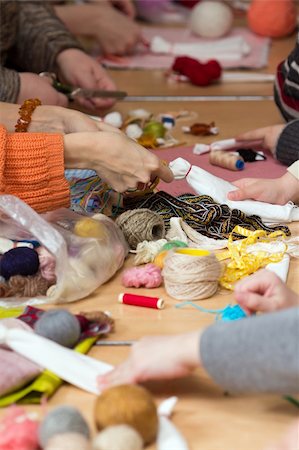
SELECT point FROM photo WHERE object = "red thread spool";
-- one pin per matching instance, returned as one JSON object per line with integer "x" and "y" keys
{"x": 141, "y": 300}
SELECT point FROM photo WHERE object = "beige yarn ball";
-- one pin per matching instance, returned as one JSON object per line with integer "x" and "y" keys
{"x": 118, "y": 437}
{"x": 211, "y": 19}
{"x": 131, "y": 405}
{"x": 191, "y": 274}
{"x": 68, "y": 441}
{"x": 141, "y": 225}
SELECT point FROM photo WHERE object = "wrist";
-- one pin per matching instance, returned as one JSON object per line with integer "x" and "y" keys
{"x": 77, "y": 150}
{"x": 290, "y": 187}
{"x": 189, "y": 345}
{"x": 50, "y": 119}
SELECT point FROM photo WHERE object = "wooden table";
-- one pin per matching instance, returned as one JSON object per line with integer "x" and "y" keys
{"x": 208, "y": 419}
{"x": 154, "y": 82}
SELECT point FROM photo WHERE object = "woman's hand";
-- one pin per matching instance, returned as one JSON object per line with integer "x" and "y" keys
{"x": 267, "y": 137}
{"x": 80, "y": 70}
{"x": 117, "y": 159}
{"x": 34, "y": 86}
{"x": 156, "y": 357}
{"x": 264, "y": 291}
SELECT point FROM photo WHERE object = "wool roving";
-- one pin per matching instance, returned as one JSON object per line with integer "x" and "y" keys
{"x": 89, "y": 227}
{"x": 118, "y": 437}
{"x": 61, "y": 420}
{"x": 211, "y": 19}
{"x": 141, "y": 225}
{"x": 19, "y": 261}
{"x": 148, "y": 276}
{"x": 47, "y": 264}
{"x": 191, "y": 274}
{"x": 18, "y": 431}
{"x": 131, "y": 405}
{"x": 146, "y": 251}
{"x": 272, "y": 18}
{"x": 68, "y": 441}
{"x": 60, "y": 326}
{"x": 29, "y": 286}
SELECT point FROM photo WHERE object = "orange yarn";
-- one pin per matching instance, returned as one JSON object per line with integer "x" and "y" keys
{"x": 32, "y": 168}
{"x": 272, "y": 18}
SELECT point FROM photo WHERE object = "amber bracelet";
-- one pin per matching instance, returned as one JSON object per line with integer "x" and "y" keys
{"x": 25, "y": 113}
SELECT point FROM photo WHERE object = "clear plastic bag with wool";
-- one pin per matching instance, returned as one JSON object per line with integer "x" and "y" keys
{"x": 77, "y": 254}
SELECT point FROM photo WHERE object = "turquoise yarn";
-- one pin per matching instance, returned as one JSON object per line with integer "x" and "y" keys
{"x": 226, "y": 314}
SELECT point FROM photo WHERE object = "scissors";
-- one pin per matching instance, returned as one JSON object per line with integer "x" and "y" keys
{"x": 73, "y": 92}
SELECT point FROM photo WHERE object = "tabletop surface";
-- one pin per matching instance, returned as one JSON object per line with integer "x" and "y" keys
{"x": 208, "y": 419}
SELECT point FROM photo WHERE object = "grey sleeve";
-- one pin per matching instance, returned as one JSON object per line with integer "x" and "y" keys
{"x": 287, "y": 148}
{"x": 257, "y": 354}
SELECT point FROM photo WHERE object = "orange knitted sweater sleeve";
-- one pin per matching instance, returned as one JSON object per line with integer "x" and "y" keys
{"x": 32, "y": 168}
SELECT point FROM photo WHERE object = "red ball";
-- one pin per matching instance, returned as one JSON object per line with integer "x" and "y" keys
{"x": 214, "y": 69}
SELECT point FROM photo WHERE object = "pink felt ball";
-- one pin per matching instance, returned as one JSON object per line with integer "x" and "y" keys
{"x": 148, "y": 276}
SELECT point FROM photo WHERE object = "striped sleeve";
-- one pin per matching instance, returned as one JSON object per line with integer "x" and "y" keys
{"x": 286, "y": 88}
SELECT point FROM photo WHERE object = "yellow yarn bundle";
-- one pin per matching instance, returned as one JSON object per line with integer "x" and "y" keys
{"x": 191, "y": 274}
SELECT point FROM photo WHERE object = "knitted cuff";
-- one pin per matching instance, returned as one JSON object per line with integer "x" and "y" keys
{"x": 287, "y": 148}
{"x": 34, "y": 170}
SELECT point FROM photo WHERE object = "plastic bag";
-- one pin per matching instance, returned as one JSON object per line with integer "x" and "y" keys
{"x": 82, "y": 263}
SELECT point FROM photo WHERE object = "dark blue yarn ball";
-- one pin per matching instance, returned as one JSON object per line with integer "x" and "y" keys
{"x": 19, "y": 261}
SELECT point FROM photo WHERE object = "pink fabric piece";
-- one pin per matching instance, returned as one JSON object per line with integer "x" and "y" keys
{"x": 143, "y": 59}
{"x": 148, "y": 276}
{"x": 270, "y": 168}
{"x": 15, "y": 371}
{"x": 18, "y": 431}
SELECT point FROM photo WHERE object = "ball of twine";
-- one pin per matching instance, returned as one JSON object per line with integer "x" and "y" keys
{"x": 189, "y": 277}
{"x": 141, "y": 225}
{"x": 62, "y": 420}
{"x": 118, "y": 437}
{"x": 130, "y": 405}
{"x": 60, "y": 326}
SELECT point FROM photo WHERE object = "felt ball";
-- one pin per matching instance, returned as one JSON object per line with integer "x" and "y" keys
{"x": 68, "y": 441}
{"x": 272, "y": 18}
{"x": 155, "y": 129}
{"x": 211, "y": 19}
{"x": 89, "y": 227}
{"x": 61, "y": 420}
{"x": 213, "y": 68}
{"x": 60, "y": 326}
{"x": 131, "y": 405}
{"x": 114, "y": 119}
{"x": 134, "y": 131}
{"x": 19, "y": 261}
{"x": 118, "y": 437}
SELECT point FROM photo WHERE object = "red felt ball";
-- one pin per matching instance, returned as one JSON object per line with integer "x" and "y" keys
{"x": 192, "y": 69}
{"x": 214, "y": 69}
{"x": 199, "y": 77}
{"x": 182, "y": 63}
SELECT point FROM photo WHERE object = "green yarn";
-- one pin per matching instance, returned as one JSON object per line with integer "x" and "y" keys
{"x": 155, "y": 129}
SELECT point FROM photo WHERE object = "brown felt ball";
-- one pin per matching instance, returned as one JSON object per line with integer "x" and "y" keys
{"x": 131, "y": 405}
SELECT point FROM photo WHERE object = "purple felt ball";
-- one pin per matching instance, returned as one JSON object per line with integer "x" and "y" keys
{"x": 19, "y": 261}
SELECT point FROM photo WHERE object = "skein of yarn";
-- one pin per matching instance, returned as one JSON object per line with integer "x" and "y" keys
{"x": 19, "y": 261}
{"x": 60, "y": 326}
{"x": 211, "y": 19}
{"x": 141, "y": 225}
{"x": 227, "y": 160}
{"x": 62, "y": 420}
{"x": 47, "y": 264}
{"x": 29, "y": 286}
{"x": 272, "y": 18}
{"x": 118, "y": 437}
{"x": 131, "y": 405}
{"x": 191, "y": 274}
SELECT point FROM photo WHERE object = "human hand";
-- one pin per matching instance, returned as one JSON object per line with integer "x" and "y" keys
{"x": 126, "y": 6}
{"x": 264, "y": 291}
{"x": 289, "y": 441}
{"x": 156, "y": 357}
{"x": 267, "y": 137}
{"x": 120, "y": 161}
{"x": 78, "y": 69}
{"x": 34, "y": 86}
{"x": 277, "y": 191}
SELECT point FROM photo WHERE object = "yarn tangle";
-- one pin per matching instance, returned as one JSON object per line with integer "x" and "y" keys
{"x": 148, "y": 276}
{"x": 201, "y": 213}
{"x": 226, "y": 314}
{"x": 191, "y": 277}
{"x": 146, "y": 251}
{"x": 141, "y": 225}
{"x": 19, "y": 286}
